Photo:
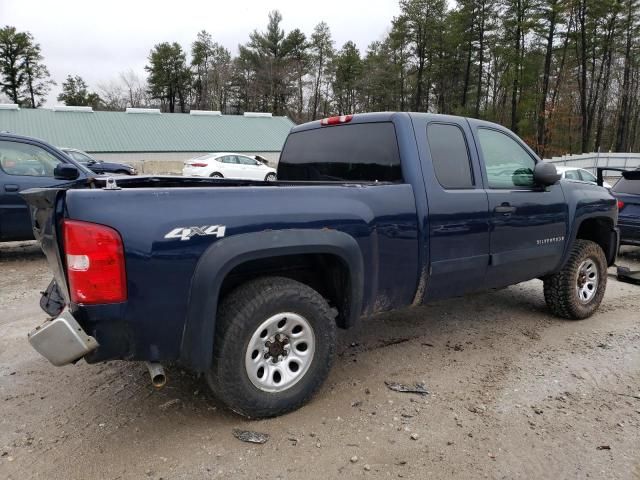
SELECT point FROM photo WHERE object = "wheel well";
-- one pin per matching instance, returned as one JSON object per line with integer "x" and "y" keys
{"x": 325, "y": 273}
{"x": 216, "y": 173}
{"x": 598, "y": 230}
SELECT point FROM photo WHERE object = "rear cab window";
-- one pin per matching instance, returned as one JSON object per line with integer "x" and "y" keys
{"x": 450, "y": 156}
{"x": 359, "y": 152}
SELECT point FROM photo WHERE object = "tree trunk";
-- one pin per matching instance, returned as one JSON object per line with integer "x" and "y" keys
{"x": 516, "y": 74}
{"x": 623, "y": 117}
{"x": 542, "y": 107}
{"x": 583, "y": 75}
{"x": 480, "y": 57}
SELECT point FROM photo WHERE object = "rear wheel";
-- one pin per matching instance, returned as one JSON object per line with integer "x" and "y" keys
{"x": 216, "y": 175}
{"x": 274, "y": 346}
{"x": 271, "y": 177}
{"x": 576, "y": 291}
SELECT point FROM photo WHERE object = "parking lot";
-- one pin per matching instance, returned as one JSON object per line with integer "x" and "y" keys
{"x": 514, "y": 393}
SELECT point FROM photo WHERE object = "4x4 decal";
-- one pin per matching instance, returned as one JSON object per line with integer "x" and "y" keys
{"x": 187, "y": 233}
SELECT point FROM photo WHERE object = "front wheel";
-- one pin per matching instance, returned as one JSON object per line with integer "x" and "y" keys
{"x": 271, "y": 177}
{"x": 274, "y": 346}
{"x": 576, "y": 291}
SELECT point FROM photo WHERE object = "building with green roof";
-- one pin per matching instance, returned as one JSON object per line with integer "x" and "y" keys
{"x": 153, "y": 141}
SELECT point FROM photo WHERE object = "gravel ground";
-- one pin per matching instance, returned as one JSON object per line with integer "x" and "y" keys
{"x": 514, "y": 393}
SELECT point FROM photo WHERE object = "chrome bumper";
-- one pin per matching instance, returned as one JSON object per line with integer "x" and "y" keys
{"x": 61, "y": 340}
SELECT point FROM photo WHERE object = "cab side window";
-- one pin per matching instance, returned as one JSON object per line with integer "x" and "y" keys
{"x": 246, "y": 161}
{"x": 23, "y": 159}
{"x": 507, "y": 163}
{"x": 572, "y": 174}
{"x": 450, "y": 156}
{"x": 588, "y": 177}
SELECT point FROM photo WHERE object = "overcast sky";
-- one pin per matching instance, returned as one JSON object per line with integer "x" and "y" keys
{"x": 97, "y": 40}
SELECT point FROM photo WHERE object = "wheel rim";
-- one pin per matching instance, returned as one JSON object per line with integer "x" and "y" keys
{"x": 587, "y": 281}
{"x": 271, "y": 177}
{"x": 280, "y": 352}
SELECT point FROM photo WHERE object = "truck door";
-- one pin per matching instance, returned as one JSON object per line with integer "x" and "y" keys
{"x": 457, "y": 206}
{"x": 22, "y": 166}
{"x": 528, "y": 223}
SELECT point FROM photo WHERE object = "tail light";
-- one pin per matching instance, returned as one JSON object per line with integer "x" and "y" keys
{"x": 95, "y": 263}
{"x": 336, "y": 120}
{"x": 620, "y": 205}
{"x": 198, "y": 164}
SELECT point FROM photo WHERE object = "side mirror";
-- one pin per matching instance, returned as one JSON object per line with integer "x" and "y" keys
{"x": 65, "y": 171}
{"x": 545, "y": 174}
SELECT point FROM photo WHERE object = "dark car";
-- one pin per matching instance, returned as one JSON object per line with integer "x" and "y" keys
{"x": 26, "y": 163}
{"x": 99, "y": 166}
{"x": 627, "y": 191}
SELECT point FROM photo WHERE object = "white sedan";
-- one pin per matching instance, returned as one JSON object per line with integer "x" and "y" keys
{"x": 228, "y": 165}
{"x": 580, "y": 174}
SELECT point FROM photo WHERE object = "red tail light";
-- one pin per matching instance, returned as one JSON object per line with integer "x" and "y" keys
{"x": 336, "y": 120}
{"x": 95, "y": 263}
{"x": 198, "y": 164}
{"x": 620, "y": 205}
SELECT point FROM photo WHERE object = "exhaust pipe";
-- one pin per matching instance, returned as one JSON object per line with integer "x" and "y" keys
{"x": 156, "y": 371}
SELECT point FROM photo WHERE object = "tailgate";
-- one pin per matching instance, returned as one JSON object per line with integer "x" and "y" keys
{"x": 47, "y": 207}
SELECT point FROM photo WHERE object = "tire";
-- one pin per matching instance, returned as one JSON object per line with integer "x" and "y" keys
{"x": 271, "y": 177}
{"x": 567, "y": 292}
{"x": 242, "y": 316}
{"x": 216, "y": 175}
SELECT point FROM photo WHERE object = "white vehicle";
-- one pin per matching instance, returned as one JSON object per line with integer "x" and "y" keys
{"x": 228, "y": 165}
{"x": 580, "y": 174}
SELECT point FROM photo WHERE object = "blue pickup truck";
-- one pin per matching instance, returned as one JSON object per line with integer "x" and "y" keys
{"x": 247, "y": 282}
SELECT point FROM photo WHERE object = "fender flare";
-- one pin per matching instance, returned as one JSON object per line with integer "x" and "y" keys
{"x": 613, "y": 236}
{"x": 226, "y": 254}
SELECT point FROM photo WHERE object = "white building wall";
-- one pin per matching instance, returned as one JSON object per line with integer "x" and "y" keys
{"x": 167, "y": 162}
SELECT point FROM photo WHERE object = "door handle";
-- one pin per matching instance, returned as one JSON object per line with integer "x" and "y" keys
{"x": 11, "y": 187}
{"x": 505, "y": 208}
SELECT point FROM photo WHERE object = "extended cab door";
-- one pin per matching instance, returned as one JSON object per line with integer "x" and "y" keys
{"x": 528, "y": 222}
{"x": 22, "y": 166}
{"x": 457, "y": 206}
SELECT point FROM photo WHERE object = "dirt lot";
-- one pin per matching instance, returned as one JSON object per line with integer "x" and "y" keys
{"x": 514, "y": 393}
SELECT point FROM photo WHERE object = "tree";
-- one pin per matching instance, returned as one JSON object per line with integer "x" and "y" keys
{"x": 23, "y": 76}
{"x": 12, "y": 47}
{"x": 37, "y": 78}
{"x": 551, "y": 16}
{"x": 424, "y": 20}
{"x": 267, "y": 55}
{"x": 211, "y": 65}
{"x": 296, "y": 46}
{"x": 76, "y": 93}
{"x": 169, "y": 78}
{"x": 347, "y": 66}
{"x": 321, "y": 53}
{"x": 632, "y": 37}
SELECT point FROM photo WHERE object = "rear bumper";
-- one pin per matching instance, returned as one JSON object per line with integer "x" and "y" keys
{"x": 62, "y": 340}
